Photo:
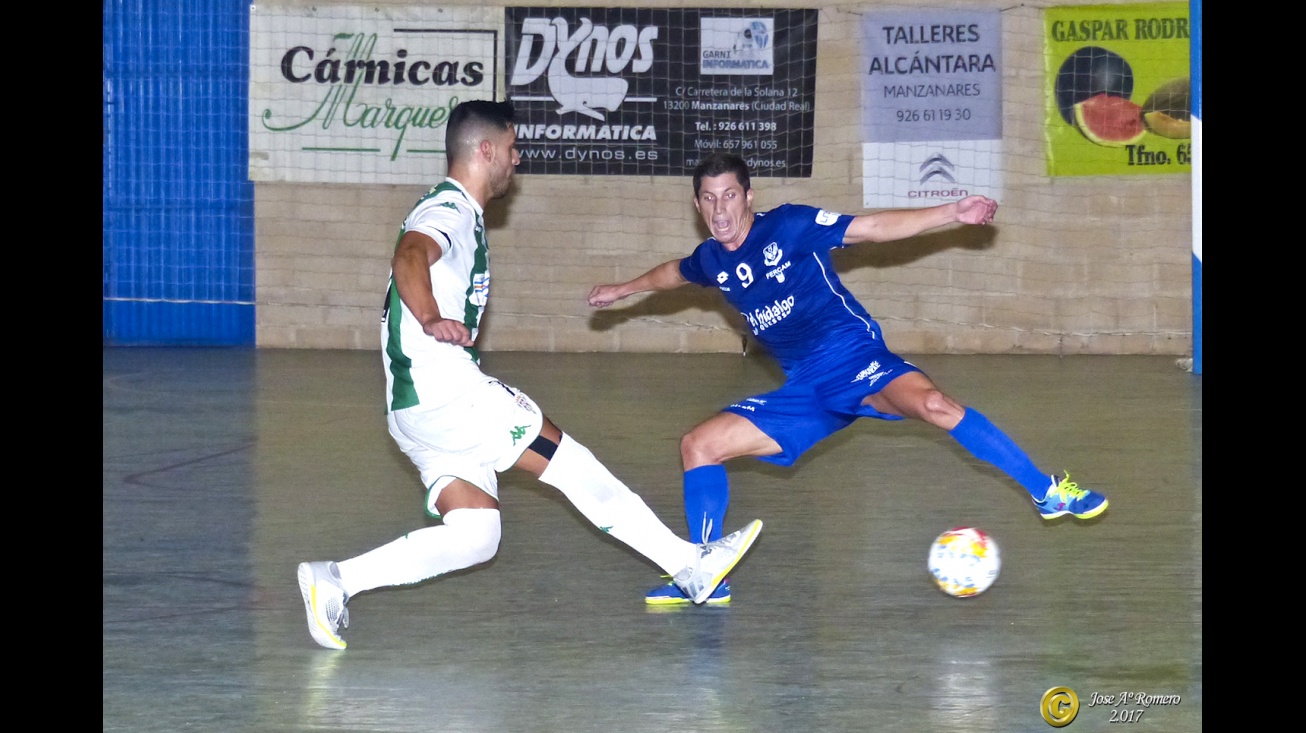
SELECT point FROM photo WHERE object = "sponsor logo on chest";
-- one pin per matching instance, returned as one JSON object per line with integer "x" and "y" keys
{"x": 769, "y": 315}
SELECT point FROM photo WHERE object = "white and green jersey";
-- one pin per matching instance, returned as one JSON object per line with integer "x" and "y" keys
{"x": 420, "y": 370}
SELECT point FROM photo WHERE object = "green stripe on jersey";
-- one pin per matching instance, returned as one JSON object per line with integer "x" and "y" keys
{"x": 403, "y": 393}
{"x": 480, "y": 266}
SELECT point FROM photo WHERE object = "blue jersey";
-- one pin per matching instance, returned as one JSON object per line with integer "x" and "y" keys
{"x": 782, "y": 281}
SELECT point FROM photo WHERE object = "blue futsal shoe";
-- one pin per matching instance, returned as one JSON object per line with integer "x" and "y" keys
{"x": 1065, "y": 497}
{"x": 671, "y": 595}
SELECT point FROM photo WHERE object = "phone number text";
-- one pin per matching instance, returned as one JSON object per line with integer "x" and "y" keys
{"x": 735, "y": 144}
{"x": 735, "y": 126}
{"x": 933, "y": 115}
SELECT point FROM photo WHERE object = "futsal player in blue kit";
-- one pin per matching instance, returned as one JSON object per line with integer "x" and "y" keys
{"x": 775, "y": 268}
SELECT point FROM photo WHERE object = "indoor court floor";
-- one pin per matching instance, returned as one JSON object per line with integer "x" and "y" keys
{"x": 225, "y": 468}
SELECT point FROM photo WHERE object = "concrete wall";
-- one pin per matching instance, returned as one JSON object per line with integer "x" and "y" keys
{"x": 1098, "y": 264}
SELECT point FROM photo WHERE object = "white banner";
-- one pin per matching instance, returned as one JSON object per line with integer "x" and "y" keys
{"x": 931, "y": 106}
{"x": 345, "y": 94}
{"x": 930, "y": 172}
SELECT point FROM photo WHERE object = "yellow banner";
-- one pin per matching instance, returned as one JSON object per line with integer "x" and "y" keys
{"x": 1117, "y": 89}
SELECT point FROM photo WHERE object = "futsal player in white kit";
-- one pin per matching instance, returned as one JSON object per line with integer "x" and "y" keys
{"x": 462, "y": 427}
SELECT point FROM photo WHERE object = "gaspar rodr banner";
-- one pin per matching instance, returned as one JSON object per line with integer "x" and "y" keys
{"x": 1118, "y": 90}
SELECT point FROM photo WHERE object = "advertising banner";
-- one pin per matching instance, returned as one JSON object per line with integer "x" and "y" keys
{"x": 1118, "y": 89}
{"x": 343, "y": 94}
{"x": 931, "y": 106}
{"x": 639, "y": 91}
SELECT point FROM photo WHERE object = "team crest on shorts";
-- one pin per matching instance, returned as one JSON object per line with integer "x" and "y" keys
{"x": 525, "y": 403}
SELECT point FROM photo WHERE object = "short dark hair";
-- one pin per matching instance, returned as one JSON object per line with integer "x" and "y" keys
{"x": 717, "y": 164}
{"x": 470, "y": 120}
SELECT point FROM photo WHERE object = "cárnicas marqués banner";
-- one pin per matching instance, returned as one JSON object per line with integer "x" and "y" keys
{"x": 346, "y": 94}
{"x": 640, "y": 91}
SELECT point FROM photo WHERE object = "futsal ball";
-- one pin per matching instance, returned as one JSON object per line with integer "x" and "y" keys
{"x": 964, "y": 561}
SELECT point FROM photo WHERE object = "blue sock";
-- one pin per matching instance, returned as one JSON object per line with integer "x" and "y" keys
{"x": 707, "y": 493}
{"x": 984, "y": 441}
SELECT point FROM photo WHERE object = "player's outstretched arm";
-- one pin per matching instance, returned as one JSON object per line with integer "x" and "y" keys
{"x": 888, "y": 226}
{"x": 412, "y": 271}
{"x": 663, "y": 277}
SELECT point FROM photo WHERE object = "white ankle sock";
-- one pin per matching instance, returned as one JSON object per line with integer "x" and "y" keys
{"x": 613, "y": 508}
{"x": 468, "y": 537}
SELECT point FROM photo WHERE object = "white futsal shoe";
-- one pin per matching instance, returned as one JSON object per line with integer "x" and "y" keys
{"x": 324, "y": 602}
{"x": 715, "y": 561}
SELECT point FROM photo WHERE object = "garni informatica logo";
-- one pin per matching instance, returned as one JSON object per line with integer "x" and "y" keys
{"x": 736, "y": 46}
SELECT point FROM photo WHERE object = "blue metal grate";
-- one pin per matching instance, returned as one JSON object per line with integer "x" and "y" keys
{"x": 178, "y": 204}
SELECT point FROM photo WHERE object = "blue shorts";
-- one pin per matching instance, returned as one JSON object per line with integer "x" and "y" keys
{"x": 822, "y": 396}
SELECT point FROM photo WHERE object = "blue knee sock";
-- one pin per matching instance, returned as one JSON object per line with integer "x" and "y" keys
{"x": 707, "y": 493}
{"x": 984, "y": 441}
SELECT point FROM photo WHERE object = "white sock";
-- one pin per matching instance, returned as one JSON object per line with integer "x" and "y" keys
{"x": 468, "y": 537}
{"x": 613, "y": 508}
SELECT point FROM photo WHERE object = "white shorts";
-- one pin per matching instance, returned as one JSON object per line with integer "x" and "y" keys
{"x": 473, "y": 438}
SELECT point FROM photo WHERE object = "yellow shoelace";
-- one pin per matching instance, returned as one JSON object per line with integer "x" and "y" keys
{"x": 1070, "y": 489}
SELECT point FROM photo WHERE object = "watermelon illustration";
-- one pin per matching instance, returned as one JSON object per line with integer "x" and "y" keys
{"x": 1088, "y": 72}
{"x": 1110, "y": 120}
